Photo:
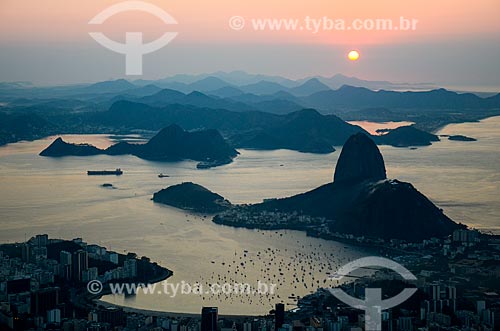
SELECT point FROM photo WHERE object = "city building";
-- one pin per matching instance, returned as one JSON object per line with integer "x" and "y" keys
{"x": 209, "y": 319}
{"x": 279, "y": 316}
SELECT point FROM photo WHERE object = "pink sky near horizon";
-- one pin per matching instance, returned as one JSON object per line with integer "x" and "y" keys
{"x": 24, "y": 21}
{"x": 457, "y": 42}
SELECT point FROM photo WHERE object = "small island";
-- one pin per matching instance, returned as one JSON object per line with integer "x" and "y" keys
{"x": 460, "y": 137}
{"x": 193, "y": 197}
{"x": 170, "y": 144}
{"x": 405, "y": 136}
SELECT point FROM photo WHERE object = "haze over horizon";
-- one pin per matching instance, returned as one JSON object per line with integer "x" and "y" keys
{"x": 47, "y": 42}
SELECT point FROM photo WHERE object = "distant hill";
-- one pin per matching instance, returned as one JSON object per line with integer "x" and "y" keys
{"x": 170, "y": 144}
{"x": 167, "y": 96}
{"x": 309, "y": 87}
{"x": 118, "y": 85}
{"x": 336, "y": 81}
{"x": 225, "y": 92}
{"x": 143, "y": 90}
{"x": 126, "y": 115}
{"x": 24, "y": 126}
{"x": 314, "y": 94}
{"x": 349, "y": 97}
{"x": 278, "y": 103}
{"x": 263, "y": 87}
{"x": 208, "y": 84}
{"x": 241, "y": 78}
{"x": 277, "y": 106}
{"x": 209, "y": 101}
{"x": 190, "y": 196}
{"x": 162, "y": 97}
{"x": 304, "y": 131}
{"x": 227, "y": 98}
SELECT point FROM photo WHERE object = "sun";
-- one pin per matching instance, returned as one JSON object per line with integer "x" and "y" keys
{"x": 353, "y": 55}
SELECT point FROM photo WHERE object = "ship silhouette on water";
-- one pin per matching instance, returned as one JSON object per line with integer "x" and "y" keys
{"x": 116, "y": 172}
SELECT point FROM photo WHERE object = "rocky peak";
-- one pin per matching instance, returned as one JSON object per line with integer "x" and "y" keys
{"x": 360, "y": 160}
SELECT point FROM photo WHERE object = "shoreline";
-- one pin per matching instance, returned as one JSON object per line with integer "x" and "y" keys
{"x": 347, "y": 241}
{"x": 159, "y": 313}
{"x": 92, "y": 301}
{"x": 97, "y": 300}
{"x": 82, "y": 298}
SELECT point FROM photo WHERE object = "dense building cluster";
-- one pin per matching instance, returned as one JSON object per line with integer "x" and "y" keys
{"x": 43, "y": 281}
{"x": 42, "y": 287}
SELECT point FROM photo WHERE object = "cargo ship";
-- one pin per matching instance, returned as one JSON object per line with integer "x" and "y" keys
{"x": 116, "y": 172}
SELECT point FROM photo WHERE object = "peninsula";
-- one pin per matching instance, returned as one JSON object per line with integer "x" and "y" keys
{"x": 360, "y": 202}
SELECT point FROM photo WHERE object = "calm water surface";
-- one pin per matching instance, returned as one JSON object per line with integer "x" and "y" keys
{"x": 55, "y": 196}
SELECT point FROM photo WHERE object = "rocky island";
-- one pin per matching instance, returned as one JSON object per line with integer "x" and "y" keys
{"x": 460, "y": 137}
{"x": 405, "y": 136}
{"x": 194, "y": 197}
{"x": 60, "y": 148}
{"x": 170, "y": 144}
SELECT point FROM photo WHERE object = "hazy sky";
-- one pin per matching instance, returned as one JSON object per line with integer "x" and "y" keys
{"x": 456, "y": 42}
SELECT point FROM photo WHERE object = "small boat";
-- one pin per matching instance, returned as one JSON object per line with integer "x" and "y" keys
{"x": 116, "y": 172}
{"x": 205, "y": 165}
{"x": 163, "y": 176}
